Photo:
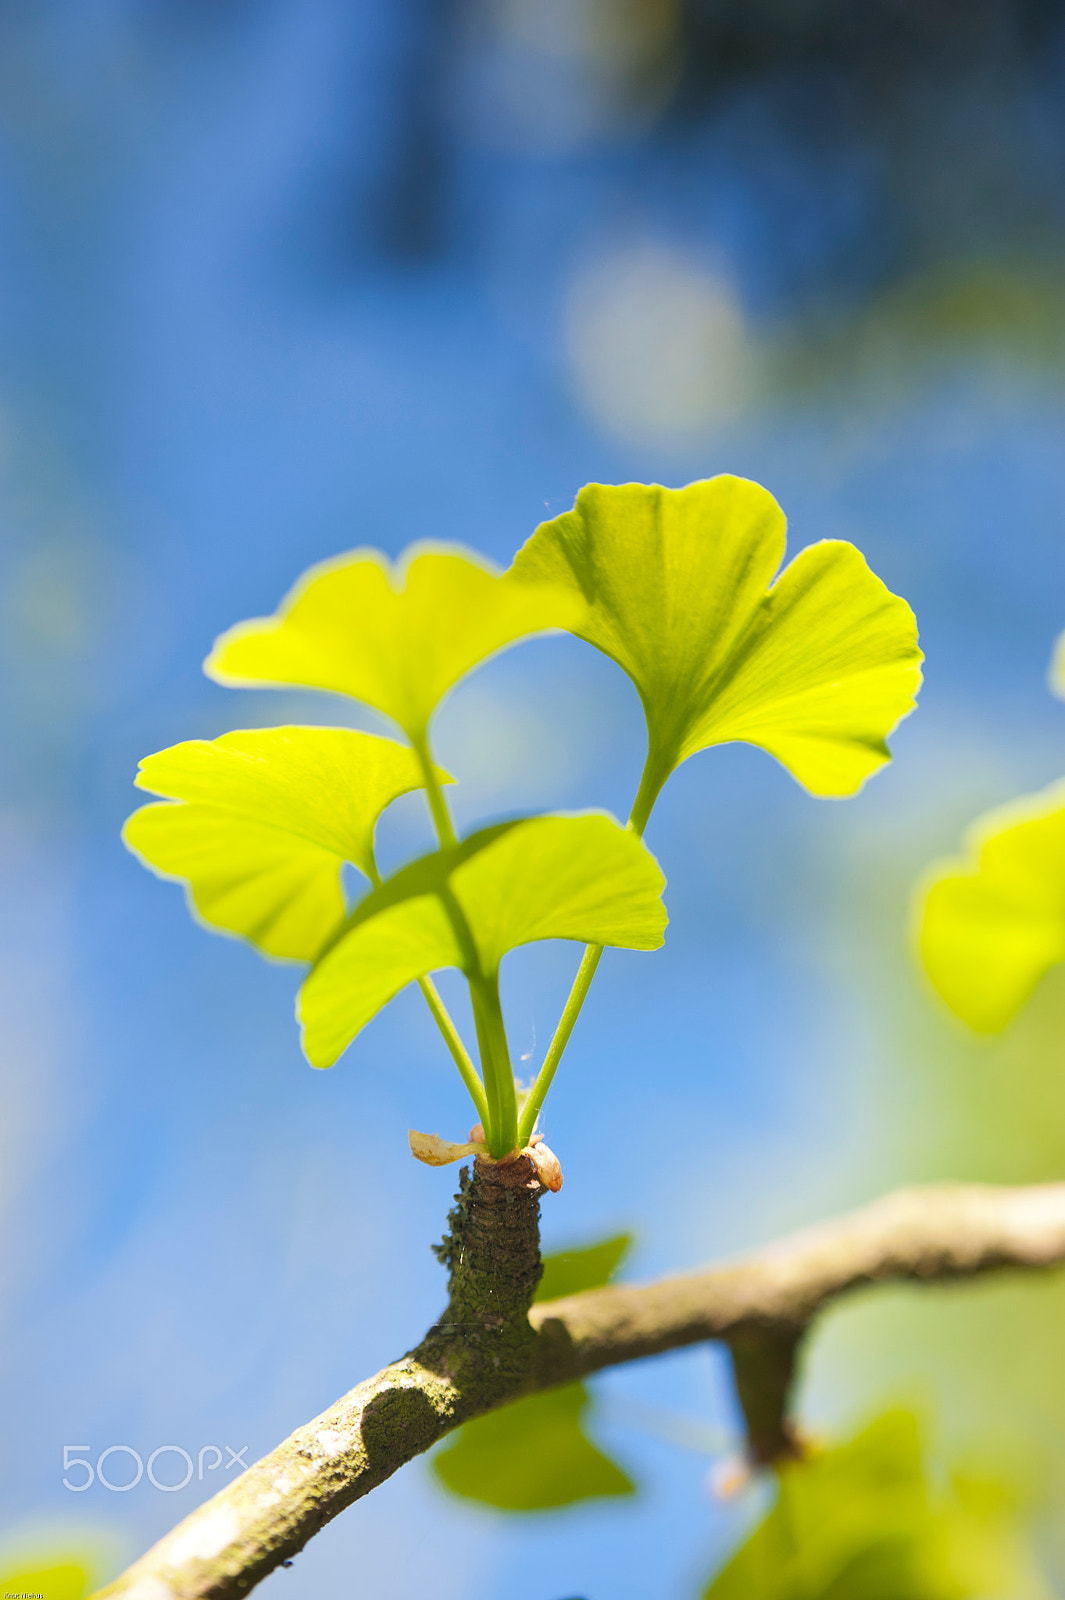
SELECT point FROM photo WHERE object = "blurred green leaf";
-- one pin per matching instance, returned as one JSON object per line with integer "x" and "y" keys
{"x": 396, "y": 637}
{"x": 264, "y": 820}
{"x": 534, "y": 1455}
{"x": 860, "y": 1522}
{"x": 573, "y": 1271}
{"x": 816, "y": 665}
{"x": 993, "y": 922}
{"x": 52, "y": 1579}
{"x": 578, "y": 877}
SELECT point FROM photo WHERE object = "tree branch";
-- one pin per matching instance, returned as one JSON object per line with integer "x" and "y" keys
{"x": 489, "y": 1348}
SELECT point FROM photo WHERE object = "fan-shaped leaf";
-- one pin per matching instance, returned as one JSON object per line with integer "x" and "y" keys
{"x": 862, "y": 1522}
{"x": 396, "y": 638}
{"x": 573, "y": 1271}
{"x": 535, "y": 1455}
{"x": 994, "y": 923}
{"x": 816, "y": 665}
{"x": 577, "y": 877}
{"x": 263, "y": 820}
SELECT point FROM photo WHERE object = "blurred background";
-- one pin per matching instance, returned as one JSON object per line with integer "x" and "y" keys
{"x": 278, "y": 279}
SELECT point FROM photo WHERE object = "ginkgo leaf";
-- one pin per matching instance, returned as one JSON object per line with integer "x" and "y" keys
{"x": 588, "y": 1267}
{"x": 259, "y": 822}
{"x": 535, "y": 1454}
{"x": 866, "y": 1521}
{"x": 50, "y": 1578}
{"x": 816, "y": 665}
{"x": 557, "y": 877}
{"x": 994, "y": 922}
{"x": 396, "y": 637}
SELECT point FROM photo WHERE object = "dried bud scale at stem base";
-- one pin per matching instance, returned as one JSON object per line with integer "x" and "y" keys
{"x": 437, "y": 1152}
{"x": 546, "y": 1163}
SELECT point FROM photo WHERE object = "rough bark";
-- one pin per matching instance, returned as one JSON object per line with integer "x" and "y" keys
{"x": 489, "y": 1348}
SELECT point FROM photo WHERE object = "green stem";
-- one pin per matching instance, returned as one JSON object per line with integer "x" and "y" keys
{"x": 535, "y": 1099}
{"x": 499, "y": 1116}
{"x": 501, "y": 1131}
{"x": 458, "y": 1050}
{"x": 442, "y": 1017}
{"x": 491, "y": 1082}
{"x": 437, "y": 803}
{"x": 655, "y": 773}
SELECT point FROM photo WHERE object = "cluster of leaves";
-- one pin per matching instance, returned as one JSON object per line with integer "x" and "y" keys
{"x": 816, "y": 664}
{"x": 992, "y": 923}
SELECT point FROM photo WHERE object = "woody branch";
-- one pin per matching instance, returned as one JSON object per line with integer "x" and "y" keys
{"x": 492, "y": 1345}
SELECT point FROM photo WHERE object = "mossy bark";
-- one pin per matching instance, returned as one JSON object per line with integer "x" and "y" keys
{"x": 492, "y": 1253}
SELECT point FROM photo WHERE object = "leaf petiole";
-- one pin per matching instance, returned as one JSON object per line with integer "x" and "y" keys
{"x": 496, "y": 1102}
{"x": 434, "y": 793}
{"x": 459, "y": 1053}
{"x": 501, "y": 1130}
{"x": 651, "y": 782}
{"x": 440, "y": 1014}
{"x": 535, "y": 1098}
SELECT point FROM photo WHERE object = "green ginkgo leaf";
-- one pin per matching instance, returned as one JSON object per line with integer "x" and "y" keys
{"x": 993, "y": 923}
{"x": 535, "y": 1454}
{"x": 258, "y": 824}
{"x": 51, "y": 1578}
{"x": 396, "y": 637}
{"x": 588, "y": 1266}
{"x": 558, "y": 877}
{"x": 816, "y": 665}
{"x": 864, "y": 1521}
